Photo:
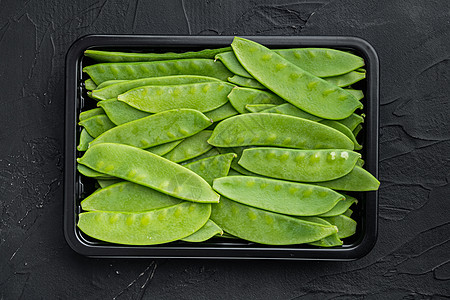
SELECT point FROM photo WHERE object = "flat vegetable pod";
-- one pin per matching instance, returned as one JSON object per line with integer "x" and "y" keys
{"x": 97, "y": 125}
{"x": 341, "y": 207}
{"x": 120, "y": 113}
{"x": 212, "y": 167}
{"x": 209, "y": 230}
{"x": 240, "y": 97}
{"x": 148, "y": 228}
{"x": 260, "y": 226}
{"x": 358, "y": 180}
{"x": 190, "y": 147}
{"x": 148, "y": 169}
{"x": 329, "y": 241}
{"x": 346, "y": 226}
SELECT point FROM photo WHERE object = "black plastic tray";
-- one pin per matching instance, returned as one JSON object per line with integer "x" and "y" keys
{"x": 76, "y": 187}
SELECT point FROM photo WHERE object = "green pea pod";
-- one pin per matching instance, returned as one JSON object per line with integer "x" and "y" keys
{"x": 88, "y": 172}
{"x": 148, "y": 228}
{"x": 210, "y": 153}
{"x": 240, "y": 97}
{"x": 108, "y": 83}
{"x": 340, "y": 207}
{"x": 127, "y": 197}
{"x": 89, "y": 84}
{"x": 109, "y": 56}
{"x": 291, "y": 110}
{"x": 246, "y": 82}
{"x": 346, "y": 226}
{"x": 213, "y": 167}
{"x": 329, "y": 241}
{"x": 299, "y": 165}
{"x": 344, "y": 129}
{"x": 348, "y": 213}
{"x": 357, "y": 130}
{"x": 190, "y": 147}
{"x": 97, "y": 125}
{"x": 358, "y": 180}
{"x": 260, "y": 226}
{"x": 85, "y": 139}
{"x": 156, "y": 99}
{"x": 209, "y": 230}
{"x": 90, "y": 113}
{"x": 358, "y": 94}
{"x": 120, "y": 113}
{"x": 107, "y": 182}
{"x": 256, "y": 108}
{"x": 156, "y": 129}
{"x": 136, "y": 70}
{"x": 295, "y": 85}
{"x": 266, "y": 129}
{"x": 234, "y": 164}
{"x": 278, "y": 196}
{"x": 221, "y": 113}
{"x": 148, "y": 169}
{"x": 346, "y": 79}
{"x": 114, "y": 90}
{"x": 352, "y": 121}
{"x": 163, "y": 148}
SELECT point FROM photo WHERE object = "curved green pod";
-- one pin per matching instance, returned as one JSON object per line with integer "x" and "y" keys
{"x": 212, "y": 167}
{"x": 291, "y": 110}
{"x": 358, "y": 180}
{"x": 148, "y": 169}
{"x": 221, "y": 113}
{"x": 120, "y": 113}
{"x": 97, "y": 125}
{"x": 203, "y": 97}
{"x": 234, "y": 164}
{"x": 360, "y": 162}
{"x": 127, "y": 196}
{"x": 210, "y": 153}
{"x": 256, "y": 108}
{"x": 329, "y": 241}
{"x": 358, "y": 94}
{"x": 352, "y": 121}
{"x": 267, "y": 129}
{"x": 299, "y": 165}
{"x": 346, "y": 226}
{"x": 90, "y": 113}
{"x": 265, "y": 227}
{"x": 110, "y": 56}
{"x": 108, "y": 83}
{"x": 136, "y": 70}
{"x": 208, "y": 230}
{"x": 344, "y": 129}
{"x": 107, "y": 182}
{"x": 348, "y": 213}
{"x": 246, "y": 82}
{"x": 85, "y": 139}
{"x": 357, "y": 129}
{"x": 190, "y": 147}
{"x": 340, "y": 207}
{"x": 89, "y": 84}
{"x": 163, "y": 148}
{"x": 278, "y": 196}
{"x": 240, "y": 97}
{"x": 114, "y": 90}
{"x": 156, "y": 129}
{"x": 346, "y": 79}
{"x": 295, "y": 85}
{"x": 148, "y": 228}
{"x": 322, "y": 62}
{"x": 88, "y": 172}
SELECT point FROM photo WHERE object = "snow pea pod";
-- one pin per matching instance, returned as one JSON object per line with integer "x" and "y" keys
{"x": 97, "y": 125}
{"x": 203, "y": 97}
{"x": 346, "y": 226}
{"x": 278, "y": 196}
{"x": 291, "y": 110}
{"x": 213, "y": 167}
{"x": 136, "y": 70}
{"x": 85, "y": 139}
{"x": 210, "y": 153}
{"x": 295, "y": 85}
{"x": 266, "y": 129}
{"x": 90, "y": 113}
{"x": 265, "y": 227}
{"x": 107, "y": 182}
{"x": 127, "y": 197}
{"x": 221, "y": 113}
{"x": 110, "y": 56}
{"x": 89, "y": 84}
{"x": 148, "y": 228}
{"x": 114, "y": 90}
{"x": 255, "y": 108}
{"x": 240, "y": 97}
{"x": 190, "y": 147}
{"x": 348, "y": 213}
{"x": 148, "y": 169}
{"x": 321, "y": 62}
{"x": 163, "y": 148}
{"x": 156, "y": 129}
{"x": 120, "y": 113}
{"x": 352, "y": 121}
{"x": 358, "y": 180}
{"x": 358, "y": 94}
{"x": 299, "y": 165}
{"x": 329, "y": 241}
{"x": 208, "y": 230}
{"x": 346, "y": 79}
{"x": 234, "y": 164}
{"x": 246, "y": 82}
{"x": 344, "y": 129}
{"x": 340, "y": 207}
{"x": 357, "y": 129}
{"x": 88, "y": 172}
{"x": 108, "y": 83}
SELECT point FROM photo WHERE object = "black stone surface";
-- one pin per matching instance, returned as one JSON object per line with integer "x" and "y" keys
{"x": 411, "y": 259}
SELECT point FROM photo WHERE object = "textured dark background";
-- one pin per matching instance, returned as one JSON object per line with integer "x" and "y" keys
{"x": 411, "y": 259}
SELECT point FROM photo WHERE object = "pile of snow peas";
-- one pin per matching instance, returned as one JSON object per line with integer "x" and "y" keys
{"x": 242, "y": 142}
